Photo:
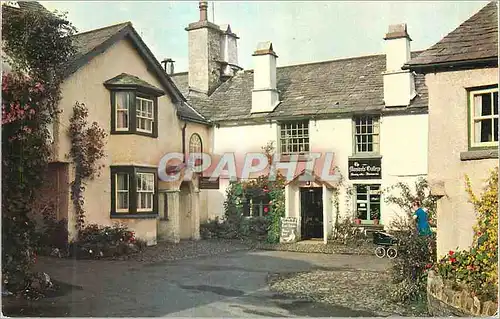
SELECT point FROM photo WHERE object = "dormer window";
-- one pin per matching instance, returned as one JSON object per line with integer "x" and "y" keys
{"x": 134, "y": 106}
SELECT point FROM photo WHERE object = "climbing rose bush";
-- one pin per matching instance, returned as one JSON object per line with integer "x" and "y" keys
{"x": 476, "y": 269}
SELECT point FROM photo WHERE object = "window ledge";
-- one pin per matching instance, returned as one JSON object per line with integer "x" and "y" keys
{"x": 133, "y": 216}
{"x": 479, "y": 154}
{"x": 358, "y": 156}
{"x": 300, "y": 157}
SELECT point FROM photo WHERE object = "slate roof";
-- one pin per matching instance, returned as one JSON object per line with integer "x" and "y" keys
{"x": 327, "y": 88}
{"x": 474, "y": 40}
{"x": 92, "y": 43}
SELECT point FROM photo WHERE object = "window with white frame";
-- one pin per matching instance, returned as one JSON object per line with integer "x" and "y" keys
{"x": 367, "y": 202}
{"x": 483, "y": 115}
{"x": 145, "y": 191}
{"x": 294, "y": 137}
{"x": 366, "y": 135}
{"x": 122, "y": 192}
{"x": 144, "y": 114}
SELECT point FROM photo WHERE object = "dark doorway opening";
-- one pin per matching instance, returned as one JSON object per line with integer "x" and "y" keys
{"x": 311, "y": 212}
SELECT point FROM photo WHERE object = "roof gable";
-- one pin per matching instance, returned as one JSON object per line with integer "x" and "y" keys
{"x": 92, "y": 43}
{"x": 473, "y": 43}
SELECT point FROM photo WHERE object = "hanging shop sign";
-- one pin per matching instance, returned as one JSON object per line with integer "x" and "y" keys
{"x": 366, "y": 168}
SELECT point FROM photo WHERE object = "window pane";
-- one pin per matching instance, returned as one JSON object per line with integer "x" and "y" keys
{"x": 496, "y": 130}
{"x": 486, "y": 130}
{"x": 122, "y": 201}
{"x": 122, "y": 119}
{"x": 122, "y": 182}
{"x": 361, "y": 189}
{"x": 486, "y": 104}
{"x": 477, "y": 105}
{"x": 495, "y": 103}
{"x": 121, "y": 106}
{"x": 362, "y": 209}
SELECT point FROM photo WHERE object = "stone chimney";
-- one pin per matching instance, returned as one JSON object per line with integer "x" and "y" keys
{"x": 264, "y": 94}
{"x": 399, "y": 85}
{"x": 204, "y": 46}
{"x": 229, "y": 51}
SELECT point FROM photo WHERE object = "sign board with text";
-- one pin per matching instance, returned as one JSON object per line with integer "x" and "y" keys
{"x": 206, "y": 183}
{"x": 289, "y": 229}
{"x": 365, "y": 168}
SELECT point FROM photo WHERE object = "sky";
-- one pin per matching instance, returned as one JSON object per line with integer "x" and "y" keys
{"x": 301, "y": 32}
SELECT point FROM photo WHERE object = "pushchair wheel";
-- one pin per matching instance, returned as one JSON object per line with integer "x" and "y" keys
{"x": 380, "y": 252}
{"x": 392, "y": 253}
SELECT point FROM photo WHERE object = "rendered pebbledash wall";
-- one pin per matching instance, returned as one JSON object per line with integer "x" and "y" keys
{"x": 403, "y": 146}
{"x": 86, "y": 86}
{"x": 448, "y": 140}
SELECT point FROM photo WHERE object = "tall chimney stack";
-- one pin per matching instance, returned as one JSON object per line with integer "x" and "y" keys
{"x": 399, "y": 85}
{"x": 204, "y": 51}
{"x": 265, "y": 93}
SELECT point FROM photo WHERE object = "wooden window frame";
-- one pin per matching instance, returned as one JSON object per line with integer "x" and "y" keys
{"x": 132, "y": 211}
{"x": 368, "y": 201}
{"x": 375, "y": 125}
{"x": 471, "y": 118}
{"x": 293, "y": 128}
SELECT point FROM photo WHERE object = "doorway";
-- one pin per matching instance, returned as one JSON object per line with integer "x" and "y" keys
{"x": 311, "y": 212}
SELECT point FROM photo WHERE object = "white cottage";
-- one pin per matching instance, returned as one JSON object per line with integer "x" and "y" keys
{"x": 366, "y": 110}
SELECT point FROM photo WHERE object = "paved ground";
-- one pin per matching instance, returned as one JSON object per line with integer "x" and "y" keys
{"x": 227, "y": 285}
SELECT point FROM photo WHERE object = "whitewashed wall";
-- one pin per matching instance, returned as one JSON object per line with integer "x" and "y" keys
{"x": 403, "y": 146}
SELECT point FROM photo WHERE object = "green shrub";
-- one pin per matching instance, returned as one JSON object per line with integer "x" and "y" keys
{"x": 346, "y": 233}
{"x": 415, "y": 256}
{"x": 96, "y": 242}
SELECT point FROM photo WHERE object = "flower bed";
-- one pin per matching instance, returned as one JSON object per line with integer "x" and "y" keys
{"x": 476, "y": 269}
{"x": 96, "y": 242}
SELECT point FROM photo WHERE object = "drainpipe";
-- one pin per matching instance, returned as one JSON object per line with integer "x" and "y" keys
{"x": 184, "y": 143}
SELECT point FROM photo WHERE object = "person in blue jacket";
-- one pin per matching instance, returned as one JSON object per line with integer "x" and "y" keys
{"x": 422, "y": 220}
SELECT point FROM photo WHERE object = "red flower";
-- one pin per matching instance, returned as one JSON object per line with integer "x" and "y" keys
{"x": 451, "y": 252}
{"x": 453, "y": 260}
{"x": 266, "y": 209}
{"x": 428, "y": 266}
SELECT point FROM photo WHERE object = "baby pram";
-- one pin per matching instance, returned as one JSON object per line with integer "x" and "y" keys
{"x": 384, "y": 242}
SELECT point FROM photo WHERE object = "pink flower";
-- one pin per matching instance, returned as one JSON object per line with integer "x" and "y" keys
{"x": 39, "y": 87}
{"x": 266, "y": 209}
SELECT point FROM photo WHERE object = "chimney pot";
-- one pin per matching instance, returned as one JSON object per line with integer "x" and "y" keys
{"x": 168, "y": 65}
{"x": 203, "y": 10}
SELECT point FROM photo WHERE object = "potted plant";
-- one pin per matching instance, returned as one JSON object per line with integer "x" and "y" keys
{"x": 375, "y": 216}
{"x": 357, "y": 220}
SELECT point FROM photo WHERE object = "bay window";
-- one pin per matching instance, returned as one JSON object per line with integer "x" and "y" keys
{"x": 133, "y": 192}
{"x": 134, "y": 106}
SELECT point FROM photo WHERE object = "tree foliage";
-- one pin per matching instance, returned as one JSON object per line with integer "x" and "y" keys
{"x": 37, "y": 47}
{"x": 415, "y": 253}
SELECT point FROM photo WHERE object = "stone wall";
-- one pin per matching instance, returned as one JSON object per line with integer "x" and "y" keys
{"x": 443, "y": 301}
